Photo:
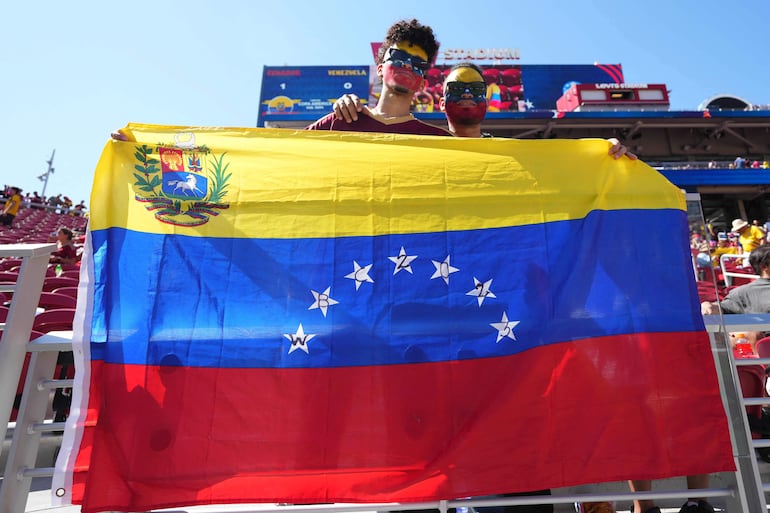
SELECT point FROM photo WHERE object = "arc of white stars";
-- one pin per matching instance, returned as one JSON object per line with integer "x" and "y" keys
{"x": 403, "y": 261}
{"x": 443, "y": 270}
{"x": 481, "y": 290}
{"x": 504, "y": 328}
{"x": 322, "y": 300}
{"x": 299, "y": 339}
{"x": 360, "y": 274}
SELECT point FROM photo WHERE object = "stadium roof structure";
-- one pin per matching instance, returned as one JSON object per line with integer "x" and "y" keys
{"x": 666, "y": 136}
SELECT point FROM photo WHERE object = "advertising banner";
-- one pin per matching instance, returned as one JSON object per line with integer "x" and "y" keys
{"x": 516, "y": 87}
{"x": 308, "y": 92}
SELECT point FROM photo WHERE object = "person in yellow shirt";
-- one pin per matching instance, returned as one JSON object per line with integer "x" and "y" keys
{"x": 723, "y": 247}
{"x": 749, "y": 236}
{"x": 11, "y": 207}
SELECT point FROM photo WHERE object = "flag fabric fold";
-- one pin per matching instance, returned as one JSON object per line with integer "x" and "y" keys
{"x": 278, "y": 316}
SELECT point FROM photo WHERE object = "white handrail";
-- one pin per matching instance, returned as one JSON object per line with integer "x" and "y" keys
{"x": 729, "y": 275}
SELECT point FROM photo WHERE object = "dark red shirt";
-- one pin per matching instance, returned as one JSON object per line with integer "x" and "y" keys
{"x": 66, "y": 252}
{"x": 367, "y": 123}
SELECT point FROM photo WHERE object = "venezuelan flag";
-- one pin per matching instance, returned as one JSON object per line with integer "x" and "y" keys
{"x": 278, "y": 316}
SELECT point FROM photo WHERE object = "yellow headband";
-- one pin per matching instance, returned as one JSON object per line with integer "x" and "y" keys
{"x": 412, "y": 49}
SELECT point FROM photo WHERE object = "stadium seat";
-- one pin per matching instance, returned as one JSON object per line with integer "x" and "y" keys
{"x": 67, "y": 291}
{"x": 492, "y": 75}
{"x": 52, "y": 300}
{"x": 9, "y": 277}
{"x": 763, "y": 347}
{"x": 752, "y": 380}
{"x": 59, "y": 319}
{"x": 52, "y": 282}
{"x": 511, "y": 76}
{"x": 9, "y": 263}
{"x": 71, "y": 273}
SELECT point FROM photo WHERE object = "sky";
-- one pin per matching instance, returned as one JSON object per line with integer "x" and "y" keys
{"x": 75, "y": 71}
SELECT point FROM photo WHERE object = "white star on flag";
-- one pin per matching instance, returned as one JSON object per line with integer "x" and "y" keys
{"x": 322, "y": 300}
{"x": 360, "y": 274}
{"x": 402, "y": 261}
{"x": 504, "y": 328}
{"x": 443, "y": 270}
{"x": 299, "y": 340}
{"x": 481, "y": 290}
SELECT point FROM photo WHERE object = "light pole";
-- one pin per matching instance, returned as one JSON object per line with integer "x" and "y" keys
{"x": 44, "y": 177}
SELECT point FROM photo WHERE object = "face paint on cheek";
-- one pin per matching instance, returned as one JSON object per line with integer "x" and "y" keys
{"x": 465, "y": 115}
{"x": 394, "y": 75}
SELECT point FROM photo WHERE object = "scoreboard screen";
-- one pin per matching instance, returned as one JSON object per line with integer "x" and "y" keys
{"x": 308, "y": 92}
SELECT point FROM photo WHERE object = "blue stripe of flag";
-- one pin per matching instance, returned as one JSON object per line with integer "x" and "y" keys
{"x": 229, "y": 302}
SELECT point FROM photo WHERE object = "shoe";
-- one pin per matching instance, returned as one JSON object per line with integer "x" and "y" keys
{"x": 596, "y": 507}
{"x": 701, "y": 507}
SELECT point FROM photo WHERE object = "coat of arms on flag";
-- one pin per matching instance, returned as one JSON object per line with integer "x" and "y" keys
{"x": 183, "y": 175}
{"x": 183, "y": 184}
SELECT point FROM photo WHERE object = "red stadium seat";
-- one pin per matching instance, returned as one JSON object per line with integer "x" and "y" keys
{"x": 52, "y": 300}
{"x": 752, "y": 380}
{"x": 511, "y": 76}
{"x": 52, "y": 282}
{"x": 9, "y": 277}
{"x": 67, "y": 291}
{"x": 54, "y": 320}
{"x": 491, "y": 76}
{"x": 71, "y": 273}
{"x": 8, "y": 263}
{"x": 763, "y": 347}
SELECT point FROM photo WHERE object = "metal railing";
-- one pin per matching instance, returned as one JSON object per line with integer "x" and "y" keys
{"x": 729, "y": 275}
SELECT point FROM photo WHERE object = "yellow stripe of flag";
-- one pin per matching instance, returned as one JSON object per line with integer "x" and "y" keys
{"x": 283, "y": 183}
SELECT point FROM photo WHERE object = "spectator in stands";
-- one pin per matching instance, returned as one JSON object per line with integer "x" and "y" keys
{"x": 403, "y": 59}
{"x": 53, "y": 202}
{"x": 66, "y": 252}
{"x": 463, "y": 103}
{"x": 464, "y": 100}
{"x": 752, "y": 297}
{"x": 739, "y": 162}
{"x": 750, "y": 237}
{"x": 80, "y": 208}
{"x": 12, "y": 205}
{"x": 723, "y": 247}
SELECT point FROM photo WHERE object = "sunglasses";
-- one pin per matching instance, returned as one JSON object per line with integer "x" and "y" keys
{"x": 401, "y": 59}
{"x": 454, "y": 91}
